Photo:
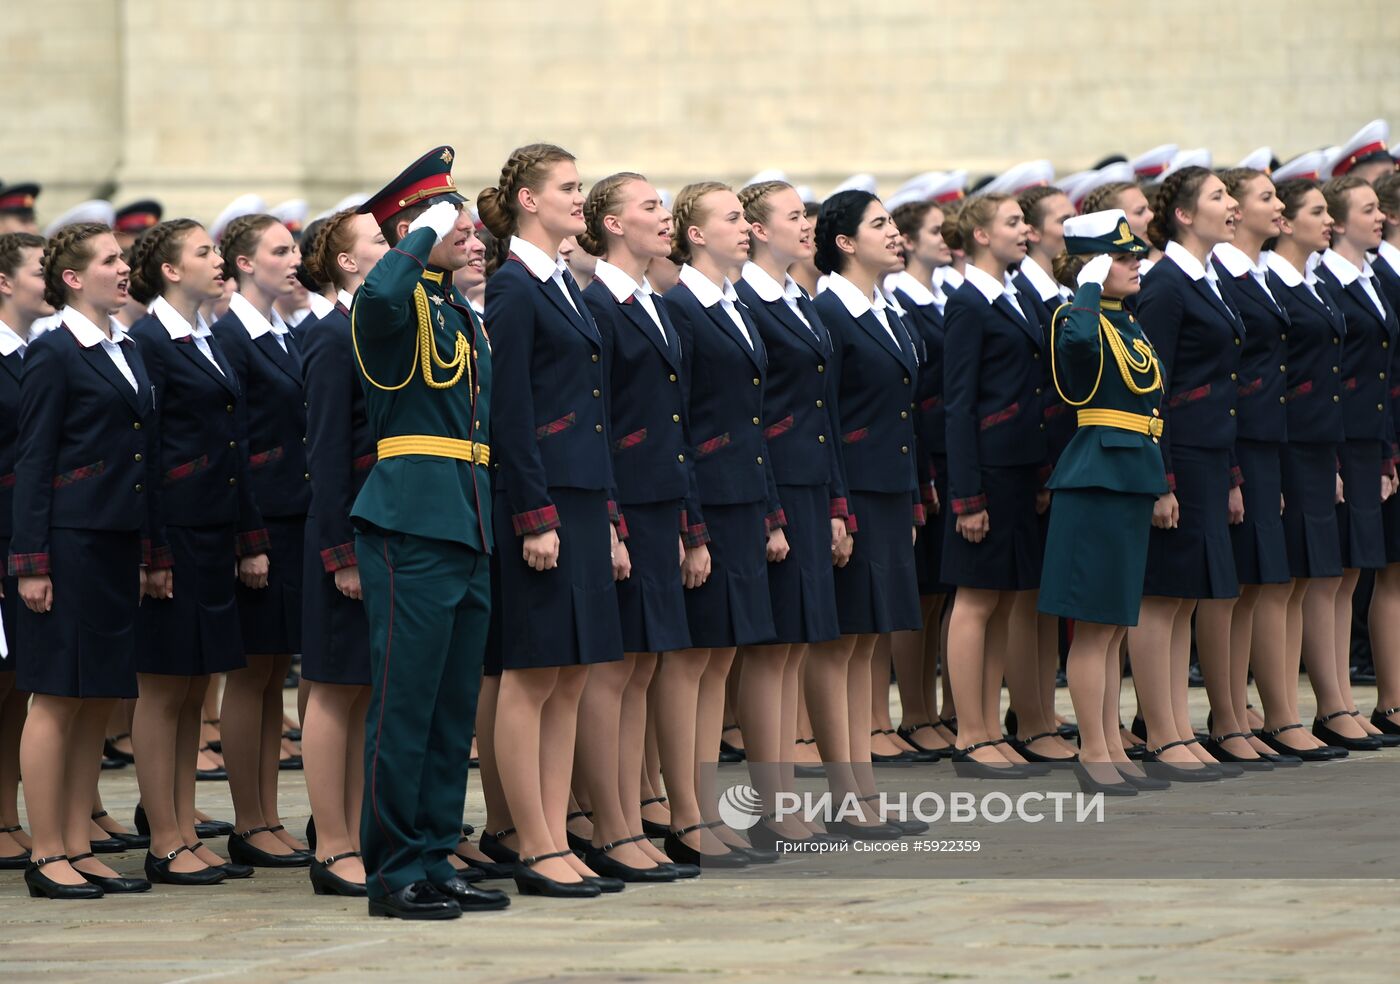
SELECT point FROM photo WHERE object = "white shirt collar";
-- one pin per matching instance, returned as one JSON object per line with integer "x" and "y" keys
{"x": 320, "y": 306}
{"x": 1286, "y": 271}
{"x": 906, "y": 282}
{"x": 1341, "y": 267}
{"x": 87, "y": 333}
{"x": 346, "y": 298}
{"x": 948, "y": 278}
{"x": 704, "y": 288}
{"x": 1390, "y": 253}
{"x": 618, "y": 282}
{"x": 174, "y": 322}
{"x": 990, "y": 287}
{"x": 536, "y": 260}
{"x": 1190, "y": 266}
{"x": 1237, "y": 262}
{"x": 253, "y": 321}
{"x": 850, "y": 295}
{"x": 766, "y": 287}
{"x": 10, "y": 342}
{"x": 1044, "y": 284}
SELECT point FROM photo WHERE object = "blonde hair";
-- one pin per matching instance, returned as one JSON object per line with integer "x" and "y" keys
{"x": 976, "y": 213}
{"x": 686, "y": 211}
{"x": 604, "y": 199}
{"x": 526, "y": 167}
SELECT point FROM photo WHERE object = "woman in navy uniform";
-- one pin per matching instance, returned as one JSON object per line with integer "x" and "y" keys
{"x": 994, "y": 381}
{"x": 1261, "y": 553}
{"x": 625, "y": 228}
{"x": 877, "y": 592}
{"x": 1198, "y": 337}
{"x": 82, "y": 503}
{"x": 1385, "y": 600}
{"x": 556, "y": 525}
{"x": 799, "y": 403}
{"x": 260, "y": 255}
{"x": 21, "y": 304}
{"x": 734, "y": 521}
{"x": 1311, "y": 485}
{"x": 916, "y": 656}
{"x": 1367, "y": 457}
{"x": 1105, "y": 483}
{"x": 335, "y": 633}
{"x": 205, "y": 516}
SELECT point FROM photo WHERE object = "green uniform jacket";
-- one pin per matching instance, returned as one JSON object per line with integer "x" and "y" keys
{"x": 425, "y": 495}
{"x": 1104, "y": 457}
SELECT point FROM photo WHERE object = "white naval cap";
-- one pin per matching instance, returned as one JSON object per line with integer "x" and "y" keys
{"x": 951, "y": 187}
{"x": 1195, "y": 157}
{"x": 1366, "y": 144}
{"x": 292, "y": 213}
{"x": 1258, "y": 159}
{"x": 93, "y": 210}
{"x": 1021, "y": 177}
{"x": 1307, "y": 165}
{"x": 1119, "y": 172}
{"x": 1151, "y": 165}
{"x": 1071, "y": 185}
{"x": 352, "y": 201}
{"x": 767, "y": 174}
{"x": 920, "y": 182}
{"x": 239, "y": 207}
{"x": 856, "y": 182}
{"x": 807, "y": 195}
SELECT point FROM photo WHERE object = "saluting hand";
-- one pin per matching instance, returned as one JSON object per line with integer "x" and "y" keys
{"x": 777, "y": 547}
{"x": 541, "y": 550}
{"x": 974, "y": 527}
{"x": 1236, "y": 503}
{"x": 347, "y": 582}
{"x": 1166, "y": 512}
{"x": 440, "y": 218}
{"x": 36, "y": 591}
{"x": 695, "y": 569}
{"x": 252, "y": 571}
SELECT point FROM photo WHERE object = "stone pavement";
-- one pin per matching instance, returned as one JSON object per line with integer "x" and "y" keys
{"x": 742, "y": 927}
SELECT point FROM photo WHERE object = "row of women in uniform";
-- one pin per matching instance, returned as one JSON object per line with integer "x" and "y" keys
{"x": 733, "y": 468}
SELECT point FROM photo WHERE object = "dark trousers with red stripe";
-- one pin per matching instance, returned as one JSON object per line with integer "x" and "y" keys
{"x": 428, "y": 603}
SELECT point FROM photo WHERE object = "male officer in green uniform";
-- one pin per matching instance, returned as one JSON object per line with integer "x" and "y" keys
{"x": 423, "y": 536}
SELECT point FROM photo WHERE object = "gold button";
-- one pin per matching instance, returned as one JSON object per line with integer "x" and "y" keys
{"x": 755, "y": 420}
{"x": 906, "y": 380}
{"x": 136, "y": 425}
{"x": 1156, "y": 412}
{"x": 478, "y": 425}
{"x": 1233, "y": 377}
{"x": 904, "y": 415}
{"x": 304, "y": 440}
{"x": 229, "y": 408}
{"x": 680, "y": 457}
{"x": 1385, "y": 344}
{"x": 673, "y": 377}
{"x": 1037, "y": 356}
{"x": 1283, "y": 336}
{"x": 140, "y": 487}
{"x": 1238, "y": 342}
{"x": 1338, "y": 341}
{"x": 1042, "y": 427}
{"x": 1382, "y": 375}
{"x": 819, "y": 404}
{"x": 904, "y": 449}
{"x": 756, "y": 380}
{"x": 307, "y": 476}
{"x": 1156, "y": 441}
{"x": 821, "y": 438}
{"x": 232, "y": 445}
{"x": 1232, "y": 412}
{"x": 138, "y": 456}
{"x": 1336, "y": 399}
{"x": 1037, "y": 391}
{"x": 1336, "y": 368}
{"x": 821, "y": 368}
{"x": 760, "y": 459}
{"x": 233, "y": 481}
{"x": 597, "y": 393}
{"x": 1282, "y": 400}
{"x": 1282, "y": 368}
{"x": 676, "y": 418}
{"x": 598, "y": 428}
{"x": 595, "y": 359}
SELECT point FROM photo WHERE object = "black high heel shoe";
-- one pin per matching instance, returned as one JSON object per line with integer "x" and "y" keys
{"x": 326, "y": 882}
{"x": 967, "y": 767}
{"x": 111, "y": 751}
{"x": 908, "y": 735}
{"x": 1088, "y": 784}
{"x": 678, "y": 850}
{"x": 803, "y": 770}
{"x": 1217, "y": 749}
{"x": 650, "y": 827}
{"x": 1380, "y": 717}
{"x": 244, "y": 853}
{"x": 580, "y": 845}
{"x": 231, "y": 869}
{"x": 531, "y": 882}
{"x": 14, "y": 862}
{"x": 1320, "y": 730}
{"x": 43, "y": 887}
{"x": 1024, "y": 748}
{"x": 158, "y": 871}
{"x": 1177, "y": 773}
{"x": 117, "y": 885}
{"x": 727, "y": 752}
{"x": 1285, "y": 750}
{"x": 115, "y": 843}
{"x": 1143, "y": 782}
{"x": 1386, "y": 739}
{"x": 492, "y": 847}
{"x": 310, "y": 835}
{"x": 485, "y": 870}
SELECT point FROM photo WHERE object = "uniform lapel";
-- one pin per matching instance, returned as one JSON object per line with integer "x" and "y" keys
{"x": 186, "y": 347}
{"x": 14, "y": 364}
{"x": 639, "y": 317}
{"x": 717, "y": 315}
{"x": 875, "y": 330}
{"x": 1022, "y": 321}
{"x": 582, "y": 324}
{"x": 289, "y": 362}
{"x": 102, "y": 363}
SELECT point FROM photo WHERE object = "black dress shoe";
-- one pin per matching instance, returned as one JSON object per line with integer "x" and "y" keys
{"x": 531, "y": 882}
{"x": 1088, "y": 784}
{"x": 486, "y": 870}
{"x": 109, "y": 845}
{"x": 907, "y": 828}
{"x": 1023, "y": 746}
{"x": 916, "y": 755}
{"x": 158, "y": 870}
{"x": 728, "y": 752}
{"x": 310, "y": 835}
{"x": 132, "y": 841}
{"x": 678, "y": 850}
{"x": 110, "y": 763}
{"x": 14, "y": 862}
{"x": 244, "y": 853}
{"x": 42, "y": 887}
{"x": 1217, "y": 749}
{"x": 469, "y": 874}
{"x": 938, "y": 752}
{"x": 651, "y": 828}
{"x": 1177, "y": 773}
{"x": 292, "y": 763}
{"x": 1320, "y": 730}
{"x": 111, "y": 751}
{"x": 1380, "y": 717}
{"x": 417, "y": 901}
{"x": 231, "y": 869}
{"x": 1144, "y": 782}
{"x": 213, "y": 828}
{"x": 580, "y": 845}
{"x": 683, "y": 870}
{"x": 140, "y": 821}
{"x": 292, "y": 734}
{"x": 469, "y": 898}
{"x": 326, "y": 882}
{"x": 605, "y": 884}
{"x": 967, "y": 767}
{"x": 1386, "y": 739}
{"x": 1327, "y": 754}
{"x": 110, "y": 885}
{"x": 491, "y": 846}
{"x": 763, "y": 836}
{"x": 873, "y": 831}
{"x": 605, "y": 864}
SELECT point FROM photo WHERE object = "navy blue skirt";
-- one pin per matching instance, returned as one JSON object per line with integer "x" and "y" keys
{"x": 802, "y": 587}
{"x": 335, "y": 629}
{"x": 1195, "y": 560}
{"x": 1096, "y": 555}
{"x": 651, "y": 601}
{"x": 1310, "y": 510}
{"x": 1261, "y": 548}
{"x": 196, "y": 632}
{"x": 85, "y": 645}
{"x": 566, "y": 616}
{"x": 1360, "y": 526}
{"x": 878, "y": 591}
{"x": 928, "y": 550}
{"x": 732, "y": 608}
{"x": 270, "y": 617}
{"x": 1009, "y": 557}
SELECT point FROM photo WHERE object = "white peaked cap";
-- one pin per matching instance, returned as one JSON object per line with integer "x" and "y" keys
{"x": 1306, "y": 165}
{"x": 949, "y": 188}
{"x": 1195, "y": 157}
{"x": 856, "y": 182}
{"x": 291, "y": 212}
{"x": 1367, "y": 142}
{"x": 1150, "y": 166}
{"x": 93, "y": 210}
{"x": 1022, "y": 177}
{"x": 239, "y": 207}
{"x": 768, "y": 174}
{"x": 1259, "y": 159}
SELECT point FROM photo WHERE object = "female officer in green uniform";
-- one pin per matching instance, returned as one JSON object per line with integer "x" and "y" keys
{"x": 1106, "y": 482}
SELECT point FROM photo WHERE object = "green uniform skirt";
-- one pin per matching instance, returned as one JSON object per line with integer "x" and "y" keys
{"x": 1096, "y": 555}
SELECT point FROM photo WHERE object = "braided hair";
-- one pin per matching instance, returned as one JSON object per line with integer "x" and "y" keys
{"x": 603, "y": 200}
{"x": 754, "y": 199}
{"x": 157, "y": 246}
{"x": 1180, "y": 190}
{"x": 241, "y": 238}
{"x": 1032, "y": 202}
{"x": 12, "y": 247}
{"x": 526, "y": 167}
{"x": 329, "y": 238}
{"x": 69, "y": 249}
{"x": 840, "y": 215}
{"x": 686, "y": 211}
{"x": 1104, "y": 197}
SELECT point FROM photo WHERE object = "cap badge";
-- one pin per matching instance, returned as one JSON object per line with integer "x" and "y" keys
{"x": 446, "y": 156}
{"x": 1125, "y": 235}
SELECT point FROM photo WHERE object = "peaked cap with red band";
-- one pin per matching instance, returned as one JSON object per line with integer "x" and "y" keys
{"x": 427, "y": 179}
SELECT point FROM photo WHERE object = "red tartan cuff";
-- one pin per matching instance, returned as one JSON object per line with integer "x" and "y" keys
{"x": 971, "y": 504}
{"x": 29, "y": 565}
{"x": 920, "y": 517}
{"x": 696, "y": 536}
{"x": 534, "y": 521}
{"x": 775, "y": 520}
{"x": 1171, "y": 481}
{"x": 614, "y": 514}
{"x": 338, "y": 557}
{"x": 1388, "y": 467}
{"x": 156, "y": 558}
{"x": 250, "y": 543}
{"x": 1236, "y": 477}
{"x": 851, "y": 525}
{"x": 621, "y": 525}
{"x": 840, "y": 509}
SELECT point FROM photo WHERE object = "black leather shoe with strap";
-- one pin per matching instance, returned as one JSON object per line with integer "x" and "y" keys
{"x": 531, "y": 882}
{"x": 14, "y": 862}
{"x": 43, "y": 887}
{"x": 1322, "y": 731}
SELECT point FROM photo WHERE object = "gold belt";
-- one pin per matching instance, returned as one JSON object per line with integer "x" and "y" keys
{"x": 440, "y": 447}
{"x": 1122, "y": 420}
